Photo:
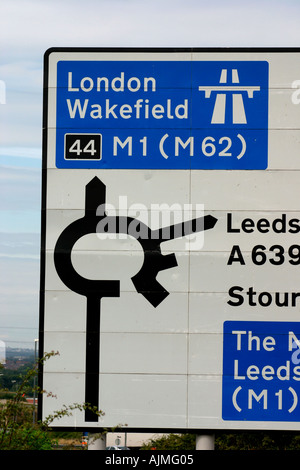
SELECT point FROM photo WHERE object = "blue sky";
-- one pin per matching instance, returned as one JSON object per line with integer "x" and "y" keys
{"x": 27, "y": 29}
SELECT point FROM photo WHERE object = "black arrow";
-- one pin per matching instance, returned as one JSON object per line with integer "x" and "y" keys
{"x": 94, "y": 290}
{"x": 144, "y": 281}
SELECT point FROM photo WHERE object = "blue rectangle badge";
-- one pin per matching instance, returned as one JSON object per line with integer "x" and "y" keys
{"x": 162, "y": 114}
{"x": 261, "y": 371}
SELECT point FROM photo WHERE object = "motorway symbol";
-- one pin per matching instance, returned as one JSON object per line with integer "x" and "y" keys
{"x": 238, "y": 110}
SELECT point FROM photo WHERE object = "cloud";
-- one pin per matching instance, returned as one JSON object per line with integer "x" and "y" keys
{"x": 19, "y": 300}
{"x": 20, "y": 152}
{"x": 20, "y": 245}
{"x": 146, "y": 23}
{"x": 21, "y": 118}
{"x": 27, "y": 30}
{"x": 19, "y": 189}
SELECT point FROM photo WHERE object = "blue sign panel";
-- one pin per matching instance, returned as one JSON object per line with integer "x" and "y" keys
{"x": 261, "y": 371}
{"x": 162, "y": 114}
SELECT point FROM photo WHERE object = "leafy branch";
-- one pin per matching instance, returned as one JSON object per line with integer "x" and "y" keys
{"x": 17, "y": 429}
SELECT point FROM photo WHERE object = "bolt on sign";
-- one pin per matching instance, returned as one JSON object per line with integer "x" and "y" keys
{"x": 170, "y": 259}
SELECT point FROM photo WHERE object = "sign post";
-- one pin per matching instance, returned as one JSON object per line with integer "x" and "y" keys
{"x": 170, "y": 238}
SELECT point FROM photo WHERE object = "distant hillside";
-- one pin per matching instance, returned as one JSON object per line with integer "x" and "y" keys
{"x": 18, "y": 357}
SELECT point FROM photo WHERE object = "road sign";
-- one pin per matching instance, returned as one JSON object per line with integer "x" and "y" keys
{"x": 264, "y": 357}
{"x": 170, "y": 250}
{"x": 163, "y": 112}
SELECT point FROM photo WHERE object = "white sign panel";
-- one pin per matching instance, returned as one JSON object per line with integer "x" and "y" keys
{"x": 170, "y": 280}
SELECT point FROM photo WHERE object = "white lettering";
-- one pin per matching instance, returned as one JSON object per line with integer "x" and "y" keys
{"x": 147, "y": 80}
{"x": 102, "y": 79}
{"x": 128, "y": 142}
{"x": 286, "y": 370}
{"x": 236, "y": 371}
{"x": 268, "y": 372}
{"x": 252, "y": 372}
{"x": 293, "y": 341}
{"x": 257, "y": 398}
{"x": 126, "y": 111}
{"x": 190, "y": 142}
{"x": 117, "y": 84}
{"x": 183, "y": 107}
{"x": 138, "y": 84}
{"x": 110, "y": 110}
{"x": 158, "y": 111}
{"x": 89, "y": 81}
{"x": 70, "y": 87}
{"x": 140, "y": 109}
{"x": 119, "y": 80}
{"x": 268, "y": 343}
{"x": 77, "y": 106}
{"x": 239, "y": 343}
{"x": 97, "y": 113}
{"x": 138, "y": 106}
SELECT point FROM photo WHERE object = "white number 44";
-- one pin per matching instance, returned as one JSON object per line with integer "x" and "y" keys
{"x": 89, "y": 147}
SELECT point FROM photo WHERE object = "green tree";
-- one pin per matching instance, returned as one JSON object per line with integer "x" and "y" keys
{"x": 172, "y": 442}
{"x": 239, "y": 440}
{"x": 258, "y": 440}
{"x": 17, "y": 429}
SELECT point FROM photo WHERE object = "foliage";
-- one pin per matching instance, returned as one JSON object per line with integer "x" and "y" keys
{"x": 18, "y": 431}
{"x": 171, "y": 442}
{"x": 258, "y": 440}
{"x": 239, "y": 440}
